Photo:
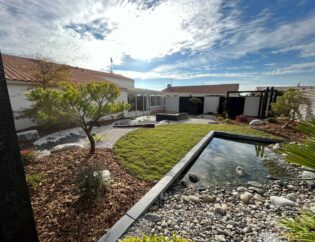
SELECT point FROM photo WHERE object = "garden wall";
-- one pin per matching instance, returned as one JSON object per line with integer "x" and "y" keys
{"x": 172, "y": 104}
{"x": 211, "y": 105}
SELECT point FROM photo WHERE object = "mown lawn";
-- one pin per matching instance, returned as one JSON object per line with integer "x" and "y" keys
{"x": 150, "y": 153}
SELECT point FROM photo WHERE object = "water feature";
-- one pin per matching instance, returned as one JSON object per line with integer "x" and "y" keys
{"x": 229, "y": 162}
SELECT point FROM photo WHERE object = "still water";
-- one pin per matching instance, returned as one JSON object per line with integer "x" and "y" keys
{"x": 221, "y": 159}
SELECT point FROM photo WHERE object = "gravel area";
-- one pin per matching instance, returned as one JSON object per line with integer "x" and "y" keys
{"x": 107, "y": 134}
{"x": 248, "y": 213}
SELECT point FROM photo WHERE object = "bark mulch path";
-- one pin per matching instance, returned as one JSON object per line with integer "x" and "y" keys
{"x": 60, "y": 215}
{"x": 276, "y": 128}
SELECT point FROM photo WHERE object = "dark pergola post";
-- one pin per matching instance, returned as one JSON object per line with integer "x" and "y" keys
{"x": 16, "y": 216}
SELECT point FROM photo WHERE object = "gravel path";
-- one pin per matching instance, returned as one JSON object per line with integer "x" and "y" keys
{"x": 218, "y": 214}
{"x": 107, "y": 134}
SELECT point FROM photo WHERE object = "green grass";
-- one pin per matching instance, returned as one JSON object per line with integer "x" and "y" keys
{"x": 149, "y": 153}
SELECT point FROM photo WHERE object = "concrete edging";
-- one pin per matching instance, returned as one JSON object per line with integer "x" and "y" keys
{"x": 122, "y": 225}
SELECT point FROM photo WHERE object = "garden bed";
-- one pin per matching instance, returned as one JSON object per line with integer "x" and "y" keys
{"x": 289, "y": 133}
{"x": 59, "y": 213}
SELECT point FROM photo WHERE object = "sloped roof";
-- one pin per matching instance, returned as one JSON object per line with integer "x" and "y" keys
{"x": 20, "y": 69}
{"x": 204, "y": 89}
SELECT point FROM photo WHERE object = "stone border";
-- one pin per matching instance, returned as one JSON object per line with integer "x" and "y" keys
{"x": 122, "y": 225}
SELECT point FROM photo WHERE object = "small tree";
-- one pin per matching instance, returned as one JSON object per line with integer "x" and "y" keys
{"x": 82, "y": 104}
{"x": 288, "y": 105}
{"x": 48, "y": 74}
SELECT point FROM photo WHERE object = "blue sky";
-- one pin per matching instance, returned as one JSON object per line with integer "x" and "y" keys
{"x": 183, "y": 42}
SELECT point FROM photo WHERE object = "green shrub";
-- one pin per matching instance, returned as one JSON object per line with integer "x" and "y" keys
{"x": 301, "y": 228}
{"x": 90, "y": 183}
{"x": 35, "y": 179}
{"x": 27, "y": 155}
{"x": 154, "y": 238}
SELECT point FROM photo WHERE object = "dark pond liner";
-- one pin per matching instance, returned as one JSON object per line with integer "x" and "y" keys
{"x": 181, "y": 167}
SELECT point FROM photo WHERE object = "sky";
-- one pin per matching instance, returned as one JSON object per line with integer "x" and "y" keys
{"x": 181, "y": 42}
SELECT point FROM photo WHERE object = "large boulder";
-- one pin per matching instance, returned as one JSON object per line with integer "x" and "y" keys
{"x": 65, "y": 147}
{"x": 256, "y": 122}
{"x": 308, "y": 175}
{"x": 193, "y": 178}
{"x": 28, "y": 135}
{"x": 281, "y": 201}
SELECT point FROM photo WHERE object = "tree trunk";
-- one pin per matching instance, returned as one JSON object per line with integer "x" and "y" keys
{"x": 286, "y": 125}
{"x": 92, "y": 141}
{"x": 16, "y": 215}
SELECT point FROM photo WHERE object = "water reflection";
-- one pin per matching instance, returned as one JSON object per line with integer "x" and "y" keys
{"x": 219, "y": 162}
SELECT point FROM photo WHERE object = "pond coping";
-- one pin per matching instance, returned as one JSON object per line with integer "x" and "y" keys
{"x": 122, "y": 225}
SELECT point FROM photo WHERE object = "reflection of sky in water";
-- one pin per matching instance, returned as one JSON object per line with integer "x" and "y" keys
{"x": 217, "y": 163}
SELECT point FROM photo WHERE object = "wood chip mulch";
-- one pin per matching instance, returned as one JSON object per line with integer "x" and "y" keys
{"x": 276, "y": 128}
{"x": 59, "y": 213}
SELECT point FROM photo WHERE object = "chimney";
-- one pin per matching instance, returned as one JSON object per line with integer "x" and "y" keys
{"x": 169, "y": 85}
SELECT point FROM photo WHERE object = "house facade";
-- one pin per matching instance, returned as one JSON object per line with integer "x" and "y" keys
{"x": 19, "y": 77}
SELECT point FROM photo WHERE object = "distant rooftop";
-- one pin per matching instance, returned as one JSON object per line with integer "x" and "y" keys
{"x": 204, "y": 89}
{"x": 20, "y": 69}
{"x": 285, "y": 88}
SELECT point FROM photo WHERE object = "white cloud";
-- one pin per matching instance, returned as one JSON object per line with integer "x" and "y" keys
{"x": 136, "y": 31}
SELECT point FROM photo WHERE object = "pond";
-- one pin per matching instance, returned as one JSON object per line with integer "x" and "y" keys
{"x": 229, "y": 162}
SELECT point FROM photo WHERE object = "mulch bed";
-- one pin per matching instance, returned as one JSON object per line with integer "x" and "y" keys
{"x": 276, "y": 128}
{"x": 59, "y": 213}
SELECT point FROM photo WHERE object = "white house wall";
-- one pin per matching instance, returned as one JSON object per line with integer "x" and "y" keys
{"x": 211, "y": 105}
{"x": 308, "y": 110}
{"x": 19, "y": 102}
{"x": 251, "y": 106}
{"x": 172, "y": 104}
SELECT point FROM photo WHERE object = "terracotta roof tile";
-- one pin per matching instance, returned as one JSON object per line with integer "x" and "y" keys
{"x": 213, "y": 89}
{"x": 20, "y": 69}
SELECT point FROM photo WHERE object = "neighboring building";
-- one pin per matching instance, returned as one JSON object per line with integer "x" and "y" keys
{"x": 18, "y": 73}
{"x": 286, "y": 88}
{"x": 200, "y": 91}
{"x": 210, "y": 96}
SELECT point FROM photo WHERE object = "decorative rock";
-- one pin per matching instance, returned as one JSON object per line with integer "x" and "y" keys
{"x": 256, "y": 122}
{"x": 276, "y": 147}
{"x": 245, "y": 197}
{"x": 220, "y": 238}
{"x": 193, "y": 178}
{"x": 281, "y": 201}
{"x": 219, "y": 210}
{"x": 241, "y": 189}
{"x": 65, "y": 147}
{"x": 271, "y": 178}
{"x": 152, "y": 217}
{"x": 106, "y": 176}
{"x": 225, "y": 207}
{"x": 27, "y": 135}
{"x": 207, "y": 198}
{"x": 308, "y": 175}
{"x": 292, "y": 196}
{"x": 240, "y": 171}
{"x": 258, "y": 197}
{"x": 154, "y": 208}
{"x": 256, "y": 189}
{"x": 193, "y": 198}
{"x": 255, "y": 184}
